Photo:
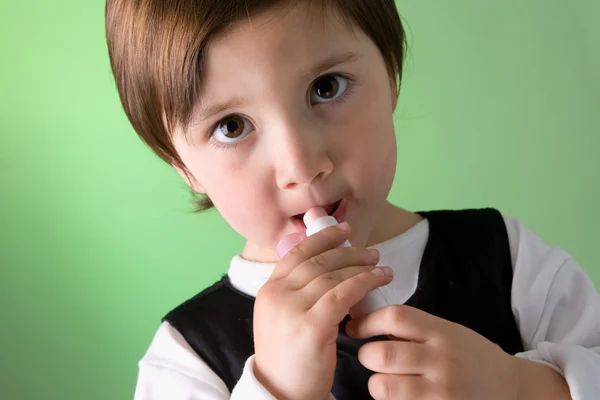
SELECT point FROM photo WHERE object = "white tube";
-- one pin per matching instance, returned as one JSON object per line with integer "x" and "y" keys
{"x": 372, "y": 300}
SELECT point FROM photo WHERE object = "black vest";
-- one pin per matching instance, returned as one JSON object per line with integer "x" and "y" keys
{"x": 465, "y": 277}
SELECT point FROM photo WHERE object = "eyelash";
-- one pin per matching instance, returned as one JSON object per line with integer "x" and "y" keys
{"x": 231, "y": 146}
{"x": 220, "y": 145}
{"x": 224, "y": 146}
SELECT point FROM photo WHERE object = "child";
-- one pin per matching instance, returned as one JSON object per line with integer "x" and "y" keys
{"x": 270, "y": 108}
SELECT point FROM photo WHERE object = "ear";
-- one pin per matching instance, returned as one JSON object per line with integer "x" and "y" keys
{"x": 190, "y": 180}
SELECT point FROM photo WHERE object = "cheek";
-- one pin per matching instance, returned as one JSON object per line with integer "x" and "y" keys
{"x": 242, "y": 202}
{"x": 243, "y": 198}
{"x": 375, "y": 172}
{"x": 371, "y": 144}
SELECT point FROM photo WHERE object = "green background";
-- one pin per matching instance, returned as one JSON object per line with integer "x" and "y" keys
{"x": 97, "y": 242}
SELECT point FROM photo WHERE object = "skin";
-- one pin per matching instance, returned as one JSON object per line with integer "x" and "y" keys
{"x": 281, "y": 149}
{"x": 302, "y": 151}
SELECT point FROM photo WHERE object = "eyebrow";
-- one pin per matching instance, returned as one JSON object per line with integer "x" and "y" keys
{"x": 206, "y": 113}
{"x": 324, "y": 65}
{"x": 333, "y": 61}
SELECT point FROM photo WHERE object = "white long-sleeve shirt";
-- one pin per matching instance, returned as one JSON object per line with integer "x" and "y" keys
{"x": 555, "y": 304}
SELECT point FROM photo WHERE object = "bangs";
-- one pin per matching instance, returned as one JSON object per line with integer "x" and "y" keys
{"x": 157, "y": 50}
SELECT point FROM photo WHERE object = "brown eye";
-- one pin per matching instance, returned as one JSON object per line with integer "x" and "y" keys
{"x": 328, "y": 88}
{"x": 232, "y": 129}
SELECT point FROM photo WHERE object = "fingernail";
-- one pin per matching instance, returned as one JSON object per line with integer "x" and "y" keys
{"x": 373, "y": 253}
{"x": 344, "y": 226}
{"x": 383, "y": 271}
{"x": 289, "y": 242}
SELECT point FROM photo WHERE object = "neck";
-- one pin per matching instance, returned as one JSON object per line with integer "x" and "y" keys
{"x": 391, "y": 222}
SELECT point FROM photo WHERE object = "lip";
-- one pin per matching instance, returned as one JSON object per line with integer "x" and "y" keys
{"x": 299, "y": 225}
{"x": 339, "y": 214}
{"x": 327, "y": 207}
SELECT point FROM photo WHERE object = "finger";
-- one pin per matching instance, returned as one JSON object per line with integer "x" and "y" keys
{"x": 326, "y": 264}
{"x": 318, "y": 287}
{"x": 401, "y": 321}
{"x": 397, "y": 357}
{"x": 334, "y": 305}
{"x": 327, "y": 239}
{"x": 289, "y": 242}
{"x": 388, "y": 387}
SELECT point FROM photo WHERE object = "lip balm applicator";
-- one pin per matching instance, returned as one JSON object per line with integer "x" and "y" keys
{"x": 316, "y": 219}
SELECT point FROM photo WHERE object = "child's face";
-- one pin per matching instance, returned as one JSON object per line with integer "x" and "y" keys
{"x": 284, "y": 135}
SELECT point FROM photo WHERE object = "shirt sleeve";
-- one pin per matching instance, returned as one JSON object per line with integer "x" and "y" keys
{"x": 557, "y": 309}
{"x": 171, "y": 370}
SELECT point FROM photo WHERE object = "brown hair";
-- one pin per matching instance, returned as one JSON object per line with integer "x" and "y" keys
{"x": 157, "y": 47}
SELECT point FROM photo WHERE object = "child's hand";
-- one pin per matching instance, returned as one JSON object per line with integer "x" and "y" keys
{"x": 297, "y": 313}
{"x": 432, "y": 358}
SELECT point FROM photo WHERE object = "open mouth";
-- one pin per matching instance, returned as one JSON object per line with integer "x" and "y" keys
{"x": 330, "y": 209}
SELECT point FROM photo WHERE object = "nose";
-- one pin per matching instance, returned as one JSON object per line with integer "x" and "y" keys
{"x": 302, "y": 156}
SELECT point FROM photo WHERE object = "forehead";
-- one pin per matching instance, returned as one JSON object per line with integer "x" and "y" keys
{"x": 281, "y": 29}
{"x": 277, "y": 46}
